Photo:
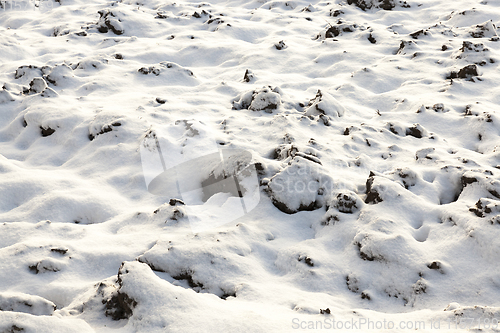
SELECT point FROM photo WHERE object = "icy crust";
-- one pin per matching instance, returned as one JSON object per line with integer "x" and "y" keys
{"x": 373, "y": 127}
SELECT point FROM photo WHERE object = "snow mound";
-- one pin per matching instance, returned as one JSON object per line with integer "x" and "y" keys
{"x": 20, "y": 322}
{"x": 484, "y": 30}
{"x": 266, "y": 99}
{"x": 5, "y": 96}
{"x": 300, "y": 186}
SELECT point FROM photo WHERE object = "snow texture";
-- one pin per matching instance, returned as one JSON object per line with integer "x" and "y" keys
{"x": 372, "y": 127}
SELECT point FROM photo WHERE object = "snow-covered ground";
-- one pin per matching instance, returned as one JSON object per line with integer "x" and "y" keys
{"x": 370, "y": 129}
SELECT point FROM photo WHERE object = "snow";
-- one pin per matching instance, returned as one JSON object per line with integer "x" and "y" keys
{"x": 26, "y": 303}
{"x": 250, "y": 166}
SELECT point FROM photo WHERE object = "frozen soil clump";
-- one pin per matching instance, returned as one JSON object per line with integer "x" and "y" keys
{"x": 300, "y": 186}
{"x": 120, "y": 305}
